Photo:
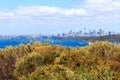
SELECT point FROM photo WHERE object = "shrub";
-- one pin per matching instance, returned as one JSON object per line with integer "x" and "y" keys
{"x": 51, "y": 72}
{"x": 27, "y": 64}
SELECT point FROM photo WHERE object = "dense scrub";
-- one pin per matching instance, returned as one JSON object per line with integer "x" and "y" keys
{"x": 37, "y": 61}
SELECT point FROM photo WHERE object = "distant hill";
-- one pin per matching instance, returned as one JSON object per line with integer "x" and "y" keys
{"x": 111, "y": 38}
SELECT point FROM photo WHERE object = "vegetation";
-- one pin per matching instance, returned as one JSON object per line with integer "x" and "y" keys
{"x": 110, "y": 38}
{"x": 37, "y": 61}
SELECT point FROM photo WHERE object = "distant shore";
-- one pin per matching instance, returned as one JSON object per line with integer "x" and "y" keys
{"x": 111, "y": 38}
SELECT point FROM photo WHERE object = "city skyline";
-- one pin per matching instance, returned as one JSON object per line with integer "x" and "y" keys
{"x": 83, "y": 33}
{"x": 51, "y": 16}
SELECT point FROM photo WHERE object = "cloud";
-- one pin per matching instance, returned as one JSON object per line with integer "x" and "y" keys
{"x": 45, "y": 10}
{"x": 79, "y": 12}
{"x": 105, "y": 8}
{"x": 99, "y": 5}
{"x": 41, "y": 11}
{"x": 6, "y": 15}
{"x": 98, "y": 1}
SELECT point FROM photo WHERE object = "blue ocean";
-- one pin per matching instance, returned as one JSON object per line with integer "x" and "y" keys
{"x": 15, "y": 42}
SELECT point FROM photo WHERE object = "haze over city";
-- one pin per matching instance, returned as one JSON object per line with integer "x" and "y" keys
{"x": 57, "y": 16}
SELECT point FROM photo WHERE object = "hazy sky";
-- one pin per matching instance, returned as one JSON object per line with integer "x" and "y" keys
{"x": 56, "y": 16}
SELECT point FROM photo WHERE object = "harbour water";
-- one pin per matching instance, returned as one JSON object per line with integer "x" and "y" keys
{"x": 15, "y": 42}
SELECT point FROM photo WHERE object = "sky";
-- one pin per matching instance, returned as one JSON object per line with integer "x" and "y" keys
{"x": 19, "y": 17}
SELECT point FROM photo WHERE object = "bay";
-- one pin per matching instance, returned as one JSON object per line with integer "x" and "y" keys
{"x": 15, "y": 42}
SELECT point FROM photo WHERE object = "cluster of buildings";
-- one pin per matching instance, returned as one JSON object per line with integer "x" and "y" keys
{"x": 100, "y": 32}
{"x": 71, "y": 33}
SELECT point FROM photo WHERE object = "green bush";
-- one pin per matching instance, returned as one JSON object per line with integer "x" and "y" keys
{"x": 27, "y": 64}
{"x": 94, "y": 73}
{"x": 51, "y": 72}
